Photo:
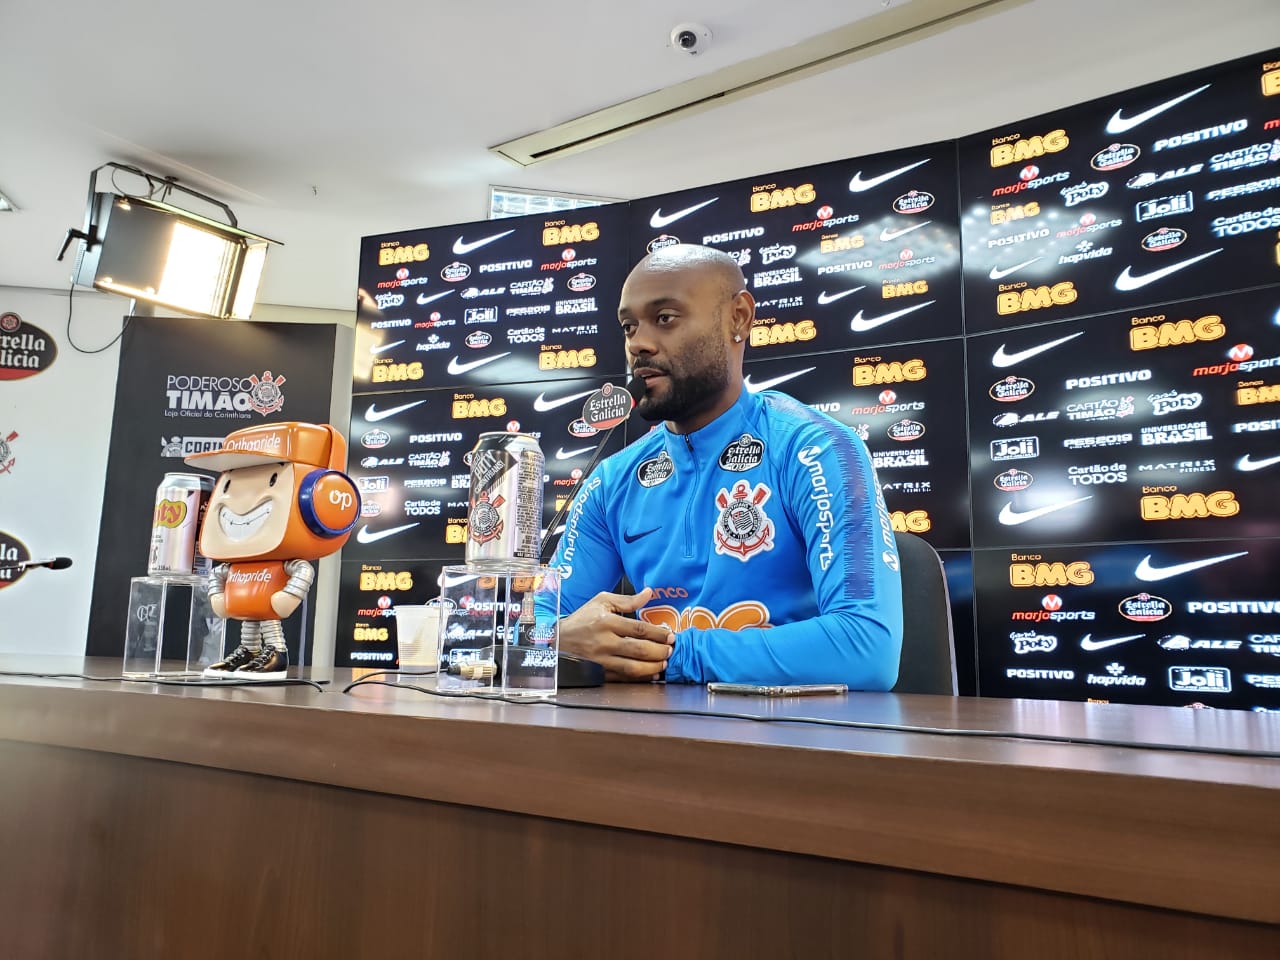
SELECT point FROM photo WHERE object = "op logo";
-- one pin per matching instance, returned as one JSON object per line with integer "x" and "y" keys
{"x": 743, "y": 528}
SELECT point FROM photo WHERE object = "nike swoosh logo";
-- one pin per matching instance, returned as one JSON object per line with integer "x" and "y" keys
{"x": 1003, "y": 359}
{"x": 373, "y": 415}
{"x": 542, "y": 405}
{"x": 1119, "y": 124}
{"x": 562, "y": 454}
{"x": 887, "y": 235}
{"x": 462, "y": 248}
{"x": 857, "y": 184}
{"x": 998, "y": 274}
{"x": 385, "y": 346}
{"x": 1127, "y": 281}
{"x": 859, "y": 325}
{"x": 1247, "y": 464}
{"x": 757, "y": 387}
{"x": 1151, "y": 574}
{"x": 364, "y": 536}
{"x": 824, "y": 298}
{"x": 454, "y": 581}
{"x": 633, "y": 537}
{"x": 660, "y": 219}
{"x": 1011, "y": 517}
{"x": 456, "y": 368}
{"x": 423, "y": 299}
{"x": 1087, "y": 643}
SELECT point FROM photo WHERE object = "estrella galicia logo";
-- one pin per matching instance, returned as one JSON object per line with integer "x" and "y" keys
{"x": 742, "y": 454}
{"x": 656, "y": 470}
{"x": 375, "y": 439}
{"x": 13, "y": 553}
{"x": 28, "y": 350}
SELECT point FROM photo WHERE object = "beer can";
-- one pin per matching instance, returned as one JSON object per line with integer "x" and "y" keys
{"x": 181, "y": 501}
{"x": 504, "y": 524}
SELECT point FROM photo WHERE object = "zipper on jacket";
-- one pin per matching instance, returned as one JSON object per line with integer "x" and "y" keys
{"x": 688, "y": 510}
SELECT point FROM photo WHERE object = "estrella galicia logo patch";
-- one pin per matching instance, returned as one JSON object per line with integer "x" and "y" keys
{"x": 655, "y": 471}
{"x": 743, "y": 454}
{"x": 743, "y": 528}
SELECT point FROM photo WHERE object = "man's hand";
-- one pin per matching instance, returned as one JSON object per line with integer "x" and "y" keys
{"x": 627, "y": 649}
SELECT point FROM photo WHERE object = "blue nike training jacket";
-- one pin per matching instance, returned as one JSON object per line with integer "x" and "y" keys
{"x": 766, "y": 538}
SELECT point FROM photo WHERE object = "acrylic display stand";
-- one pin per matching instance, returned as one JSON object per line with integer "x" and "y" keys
{"x": 486, "y": 646}
{"x": 171, "y": 630}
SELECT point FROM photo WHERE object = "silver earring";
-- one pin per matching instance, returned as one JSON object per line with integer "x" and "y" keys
{"x": 737, "y": 338}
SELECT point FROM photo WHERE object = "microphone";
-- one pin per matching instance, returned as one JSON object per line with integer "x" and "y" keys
{"x": 55, "y": 563}
{"x": 635, "y": 387}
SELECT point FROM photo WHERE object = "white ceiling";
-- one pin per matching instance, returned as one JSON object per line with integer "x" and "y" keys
{"x": 323, "y": 122}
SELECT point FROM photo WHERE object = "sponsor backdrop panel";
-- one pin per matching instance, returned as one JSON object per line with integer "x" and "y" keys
{"x": 410, "y": 458}
{"x": 1154, "y": 194}
{"x": 368, "y": 594}
{"x": 522, "y": 299}
{"x": 55, "y": 417}
{"x": 836, "y": 255}
{"x": 1169, "y": 623}
{"x": 183, "y": 384}
{"x": 907, "y": 404}
{"x": 1135, "y": 425}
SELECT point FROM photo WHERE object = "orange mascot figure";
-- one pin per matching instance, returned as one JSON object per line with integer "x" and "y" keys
{"x": 281, "y": 500}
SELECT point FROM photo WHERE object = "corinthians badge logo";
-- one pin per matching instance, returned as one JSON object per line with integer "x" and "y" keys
{"x": 743, "y": 527}
{"x": 485, "y": 522}
{"x": 265, "y": 396}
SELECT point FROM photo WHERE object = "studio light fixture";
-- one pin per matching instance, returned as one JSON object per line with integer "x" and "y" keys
{"x": 147, "y": 249}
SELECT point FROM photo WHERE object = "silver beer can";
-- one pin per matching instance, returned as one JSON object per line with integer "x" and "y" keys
{"x": 504, "y": 524}
{"x": 181, "y": 502}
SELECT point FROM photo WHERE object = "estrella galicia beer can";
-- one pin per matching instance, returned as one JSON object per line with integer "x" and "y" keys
{"x": 181, "y": 501}
{"x": 504, "y": 524}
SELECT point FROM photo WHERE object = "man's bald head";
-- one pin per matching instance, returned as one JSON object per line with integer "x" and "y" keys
{"x": 686, "y": 314}
{"x": 700, "y": 260}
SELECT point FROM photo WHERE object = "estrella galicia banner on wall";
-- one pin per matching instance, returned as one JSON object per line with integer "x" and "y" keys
{"x": 843, "y": 254}
{"x": 25, "y": 349}
{"x": 183, "y": 385}
{"x": 1175, "y": 623}
{"x": 1150, "y": 425}
{"x": 1163, "y": 192}
{"x": 13, "y": 553}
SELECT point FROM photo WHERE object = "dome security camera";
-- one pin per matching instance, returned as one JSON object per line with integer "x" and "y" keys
{"x": 690, "y": 38}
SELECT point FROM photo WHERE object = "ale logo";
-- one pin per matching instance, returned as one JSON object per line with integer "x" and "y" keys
{"x": 25, "y": 349}
{"x": 12, "y": 553}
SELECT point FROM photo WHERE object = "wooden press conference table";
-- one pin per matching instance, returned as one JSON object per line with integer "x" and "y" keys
{"x": 141, "y": 820}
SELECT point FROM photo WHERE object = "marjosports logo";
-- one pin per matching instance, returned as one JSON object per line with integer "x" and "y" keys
{"x": 224, "y": 397}
{"x": 1051, "y": 608}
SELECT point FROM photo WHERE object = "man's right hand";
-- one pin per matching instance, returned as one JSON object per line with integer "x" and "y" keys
{"x": 628, "y": 649}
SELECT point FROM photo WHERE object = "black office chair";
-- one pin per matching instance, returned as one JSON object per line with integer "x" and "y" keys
{"x": 928, "y": 663}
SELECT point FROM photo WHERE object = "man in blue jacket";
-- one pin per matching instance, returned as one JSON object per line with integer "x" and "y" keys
{"x": 754, "y": 524}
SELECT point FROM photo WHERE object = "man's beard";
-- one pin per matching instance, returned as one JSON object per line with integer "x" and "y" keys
{"x": 688, "y": 394}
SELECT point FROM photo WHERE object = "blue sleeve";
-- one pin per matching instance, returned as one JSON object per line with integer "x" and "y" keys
{"x": 835, "y": 506}
{"x": 586, "y": 556}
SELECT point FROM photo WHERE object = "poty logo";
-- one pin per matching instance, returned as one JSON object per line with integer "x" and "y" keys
{"x": 1172, "y": 402}
{"x": 1028, "y": 641}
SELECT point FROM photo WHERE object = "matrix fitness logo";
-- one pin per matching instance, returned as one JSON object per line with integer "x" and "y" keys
{"x": 7, "y": 459}
{"x": 232, "y": 398}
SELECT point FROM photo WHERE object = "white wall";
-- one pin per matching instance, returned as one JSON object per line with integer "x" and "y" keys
{"x": 51, "y": 499}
